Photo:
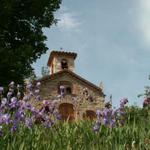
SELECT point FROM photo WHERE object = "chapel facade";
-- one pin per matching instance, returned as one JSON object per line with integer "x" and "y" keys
{"x": 76, "y": 98}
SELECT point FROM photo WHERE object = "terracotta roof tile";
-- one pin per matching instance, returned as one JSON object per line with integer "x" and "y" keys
{"x": 60, "y": 53}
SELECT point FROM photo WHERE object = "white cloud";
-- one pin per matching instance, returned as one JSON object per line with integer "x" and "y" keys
{"x": 144, "y": 19}
{"x": 68, "y": 21}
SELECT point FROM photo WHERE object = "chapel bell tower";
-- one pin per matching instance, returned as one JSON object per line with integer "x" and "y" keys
{"x": 60, "y": 60}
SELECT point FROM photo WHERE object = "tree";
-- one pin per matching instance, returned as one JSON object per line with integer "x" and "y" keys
{"x": 45, "y": 71}
{"x": 22, "y": 40}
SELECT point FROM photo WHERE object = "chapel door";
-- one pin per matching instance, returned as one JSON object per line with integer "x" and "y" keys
{"x": 67, "y": 112}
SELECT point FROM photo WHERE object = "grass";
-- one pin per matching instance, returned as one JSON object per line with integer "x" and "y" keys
{"x": 79, "y": 136}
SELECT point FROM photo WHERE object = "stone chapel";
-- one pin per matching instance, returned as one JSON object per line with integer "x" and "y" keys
{"x": 76, "y": 97}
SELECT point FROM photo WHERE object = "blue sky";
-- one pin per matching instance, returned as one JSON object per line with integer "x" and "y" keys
{"x": 112, "y": 39}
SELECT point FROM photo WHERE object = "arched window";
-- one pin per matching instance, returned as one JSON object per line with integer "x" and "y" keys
{"x": 64, "y": 64}
{"x": 68, "y": 90}
{"x": 65, "y": 88}
{"x": 89, "y": 114}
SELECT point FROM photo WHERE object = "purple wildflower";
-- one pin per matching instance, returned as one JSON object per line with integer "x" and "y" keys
{"x": 121, "y": 111}
{"x": 33, "y": 110}
{"x": 29, "y": 87}
{"x": 19, "y": 115}
{"x": 18, "y": 86}
{"x": 18, "y": 94}
{"x": 13, "y": 100}
{"x": 48, "y": 123}
{"x": 26, "y": 97}
{"x": 11, "y": 90}
{"x": 15, "y": 126}
{"x": 13, "y": 103}
{"x": 28, "y": 106}
{"x": 28, "y": 122}
{"x": 123, "y": 102}
{"x": 38, "y": 84}
{"x": 110, "y": 117}
{"x": 4, "y": 102}
{"x": 22, "y": 104}
{"x": 12, "y": 84}
{"x": 5, "y": 119}
{"x": 9, "y": 94}
{"x": 99, "y": 113}
{"x": 1, "y": 90}
{"x": 38, "y": 98}
{"x": 106, "y": 121}
{"x": 31, "y": 94}
{"x": 113, "y": 123}
{"x": 97, "y": 126}
{"x": 13, "y": 129}
{"x": 58, "y": 117}
{"x": 36, "y": 91}
{"x": 1, "y": 132}
{"x": 45, "y": 102}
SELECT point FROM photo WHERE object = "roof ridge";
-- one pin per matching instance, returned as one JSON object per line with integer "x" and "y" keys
{"x": 76, "y": 75}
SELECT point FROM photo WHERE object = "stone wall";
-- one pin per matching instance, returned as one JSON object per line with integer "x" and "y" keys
{"x": 49, "y": 91}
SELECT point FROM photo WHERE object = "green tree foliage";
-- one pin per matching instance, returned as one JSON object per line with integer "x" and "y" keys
{"x": 45, "y": 71}
{"x": 21, "y": 36}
